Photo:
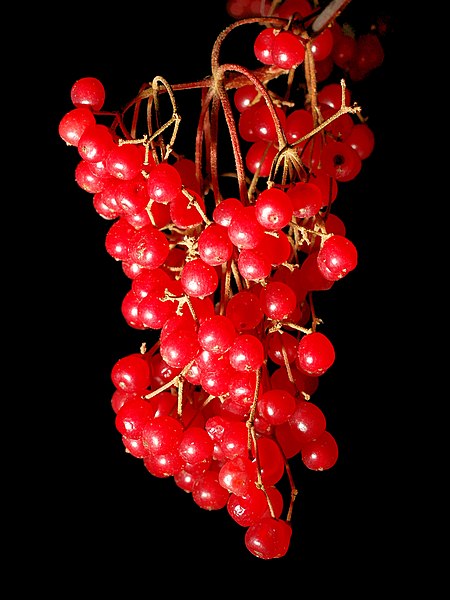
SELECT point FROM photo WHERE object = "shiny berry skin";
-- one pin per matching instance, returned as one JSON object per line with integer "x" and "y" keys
{"x": 263, "y": 45}
{"x": 268, "y": 538}
{"x": 244, "y": 310}
{"x": 244, "y": 96}
{"x": 207, "y": 492}
{"x": 131, "y": 373}
{"x": 322, "y": 45}
{"x": 288, "y": 51}
{"x": 236, "y": 475}
{"x": 246, "y": 353}
{"x": 337, "y": 257}
{"x": 216, "y": 334}
{"x": 331, "y": 95}
{"x": 162, "y": 435}
{"x": 179, "y": 347}
{"x": 245, "y": 231}
{"x": 278, "y": 300}
{"x": 276, "y": 406}
{"x": 341, "y": 161}
{"x": 307, "y": 422}
{"x": 321, "y": 453}
{"x": 214, "y": 245}
{"x": 74, "y": 123}
{"x": 87, "y": 179}
{"x": 183, "y": 212}
{"x": 273, "y": 209}
{"x": 259, "y": 157}
{"x": 196, "y": 445}
{"x": 362, "y": 139}
{"x": 124, "y": 162}
{"x": 225, "y": 211}
{"x": 306, "y": 199}
{"x": 132, "y": 417}
{"x": 315, "y": 353}
{"x": 95, "y": 143}
{"x": 247, "y": 508}
{"x": 88, "y": 92}
{"x": 148, "y": 247}
{"x": 199, "y": 279}
{"x": 164, "y": 183}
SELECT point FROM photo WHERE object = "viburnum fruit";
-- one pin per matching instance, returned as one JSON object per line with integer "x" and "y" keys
{"x": 224, "y": 253}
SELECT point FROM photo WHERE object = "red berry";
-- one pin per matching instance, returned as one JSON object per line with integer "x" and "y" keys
{"x": 273, "y": 209}
{"x": 74, "y": 123}
{"x": 131, "y": 373}
{"x": 268, "y": 538}
{"x": 315, "y": 353}
{"x": 288, "y": 50}
{"x": 199, "y": 279}
{"x": 337, "y": 257}
{"x": 321, "y": 453}
{"x": 164, "y": 183}
{"x": 88, "y": 92}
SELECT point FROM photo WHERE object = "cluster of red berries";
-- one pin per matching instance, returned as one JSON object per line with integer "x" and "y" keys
{"x": 357, "y": 54}
{"x": 222, "y": 400}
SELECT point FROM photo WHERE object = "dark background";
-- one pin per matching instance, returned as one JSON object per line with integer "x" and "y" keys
{"x": 95, "y": 500}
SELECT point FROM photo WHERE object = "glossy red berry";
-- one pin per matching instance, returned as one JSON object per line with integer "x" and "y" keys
{"x": 131, "y": 373}
{"x": 321, "y": 453}
{"x": 268, "y": 538}
{"x": 74, "y": 123}
{"x": 288, "y": 50}
{"x": 337, "y": 257}
{"x": 88, "y": 92}
{"x": 198, "y": 278}
{"x": 315, "y": 353}
{"x": 273, "y": 209}
{"x": 164, "y": 183}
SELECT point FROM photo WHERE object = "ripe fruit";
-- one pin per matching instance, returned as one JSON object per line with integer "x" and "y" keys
{"x": 223, "y": 263}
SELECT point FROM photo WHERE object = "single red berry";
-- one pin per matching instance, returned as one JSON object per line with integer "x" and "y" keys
{"x": 315, "y": 353}
{"x": 288, "y": 50}
{"x": 132, "y": 417}
{"x": 273, "y": 209}
{"x": 278, "y": 300}
{"x": 216, "y": 334}
{"x": 148, "y": 247}
{"x": 321, "y": 453}
{"x": 246, "y": 353}
{"x": 259, "y": 157}
{"x": 199, "y": 279}
{"x": 124, "y": 161}
{"x": 337, "y": 257}
{"x": 263, "y": 45}
{"x": 322, "y": 45}
{"x": 306, "y": 422}
{"x": 131, "y": 373}
{"x": 95, "y": 143}
{"x": 164, "y": 183}
{"x": 244, "y": 96}
{"x": 162, "y": 434}
{"x": 88, "y": 92}
{"x": 208, "y": 493}
{"x": 74, "y": 123}
{"x": 276, "y": 406}
{"x": 268, "y": 538}
{"x": 306, "y": 199}
{"x": 340, "y": 160}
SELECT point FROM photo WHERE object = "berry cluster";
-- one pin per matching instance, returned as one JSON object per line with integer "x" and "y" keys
{"x": 221, "y": 401}
{"x": 357, "y": 54}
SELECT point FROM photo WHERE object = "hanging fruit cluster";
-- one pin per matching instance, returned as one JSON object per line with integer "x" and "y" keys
{"x": 223, "y": 266}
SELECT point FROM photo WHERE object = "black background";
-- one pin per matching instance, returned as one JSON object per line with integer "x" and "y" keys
{"x": 99, "y": 504}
